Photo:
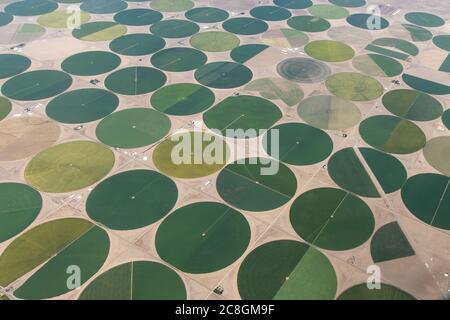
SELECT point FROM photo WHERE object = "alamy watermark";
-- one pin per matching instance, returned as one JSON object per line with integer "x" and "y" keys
{"x": 202, "y": 148}
{"x": 374, "y": 22}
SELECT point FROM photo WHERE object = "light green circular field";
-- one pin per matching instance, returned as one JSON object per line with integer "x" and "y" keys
{"x": 328, "y": 11}
{"x": 215, "y": 41}
{"x": 330, "y": 113}
{"x": 354, "y": 86}
{"x": 437, "y": 153}
{"x": 277, "y": 89}
{"x": 172, "y": 5}
{"x": 191, "y": 155}
{"x": 330, "y": 51}
{"x": 61, "y": 19}
{"x": 69, "y": 166}
{"x": 133, "y": 128}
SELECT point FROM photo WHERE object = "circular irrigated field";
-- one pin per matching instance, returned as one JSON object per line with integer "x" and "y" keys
{"x": 25, "y": 136}
{"x": 19, "y": 207}
{"x": 297, "y": 144}
{"x": 133, "y": 128}
{"x": 223, "y": 75}
{"x": 48, "y": 250}
{"x": 137, "y": 280}
{"x": 69, "y": 166}
{"x": 132, "y": 199}
{"x": 303, "y": 70}
{"x": 135, "y": 80}
{"x": 348, "y": 171}
{"x": 203, "y": 237}
{"x": 91, "y": 63}
{"x": 427, "y": 196}
{"x": 191, "y": 155}
{"x": 412, "y": 105}
{"x": 36, "y": 85}
{"x": 242, "y": 113}
{"x": 323, "y": 217}
{"x": 330, "y": 113}
{"x": 286, "y": 270}
{"x": 81, "y": 106}
{"x": 183, "y": 99}
{"x": 392, "y": 134}
{"x": 256, "y": 184}
{"x": 354, "y": 86}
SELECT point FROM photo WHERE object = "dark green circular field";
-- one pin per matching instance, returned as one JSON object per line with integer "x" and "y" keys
{"x": 5, "y": 18}
{"x": 182, "y": 99}
{"x": 286, "y": 270}
{"x": 387, "y": 292}
{"x": 270, "y": 13}
{"x": 138, "y": 17}
{"x": 13, "y": 64}
{"x": 223, "y": 75}
{"x": 103, "y": 6}
{"x": 31, "y": 7}
{"x": 425, "y": 19}
{"x": 91, "y": 63}
{"x": 242, "y": 113}
{"x": 36, "y": 85}
{"x": 427, "y": 196}
{"x": 437, "y": 154}
{"x": 132, "y": 199}
{"x": 203, "y": 237}
{"x": 136, "y": 280}
{"x": 377, "y": 65}
{"x": 348, "y": 171}
{"x": 329, "y": 51}
{"x": 256, "y": 184}
{"x": 179, "y": 59}
{"x": 323, "y": 217}
{"x": 133, "y": 128}
{"x": 297, "y": 144}
{"x": 19, "y": 207}
{"x": 135, "y": 80}
{"x": 293, "y": 4}
{"x": 81, "y": 106}
{"x": 139, "y": 44}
